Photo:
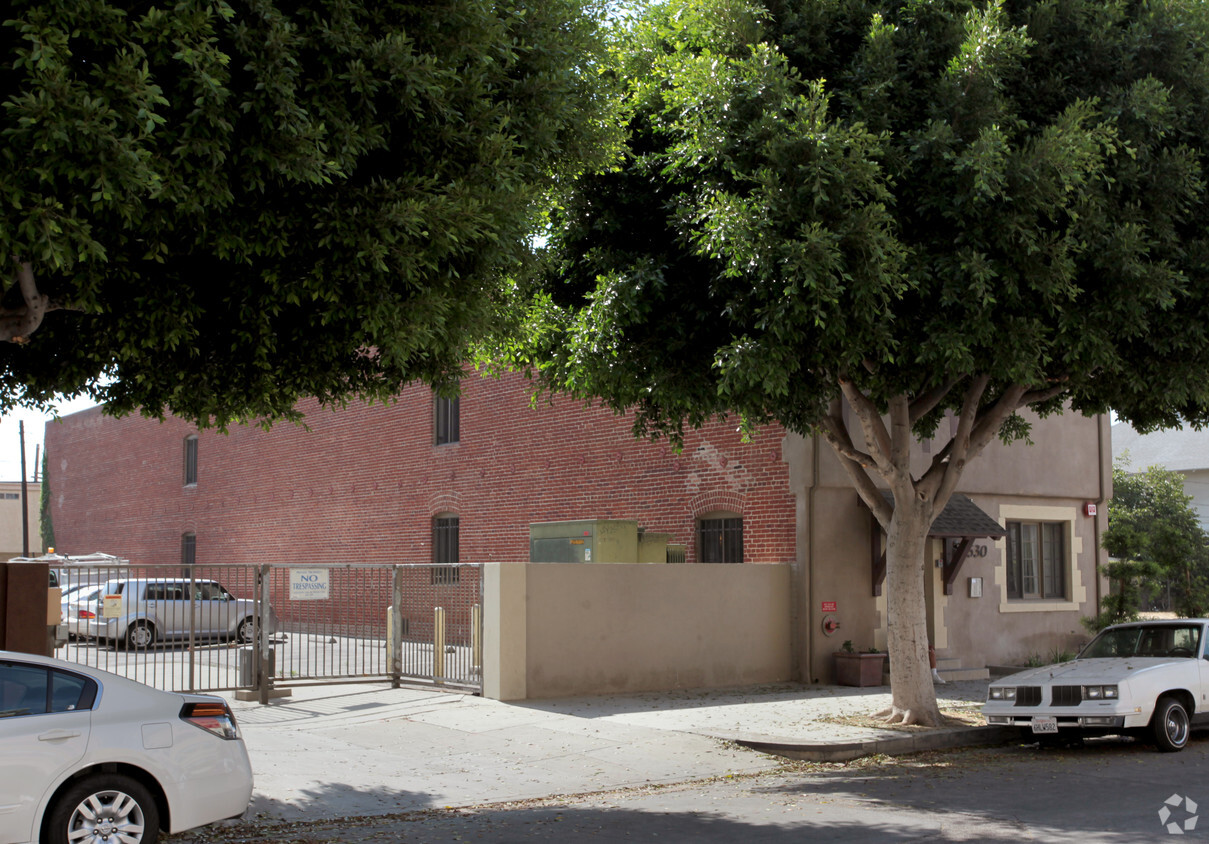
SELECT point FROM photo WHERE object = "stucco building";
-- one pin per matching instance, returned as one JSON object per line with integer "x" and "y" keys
{"x": 429, "y": 480}
{"x": 13, "y": 537}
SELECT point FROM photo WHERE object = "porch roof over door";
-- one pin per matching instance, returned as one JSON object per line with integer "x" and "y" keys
{"x": 961, "y": 519}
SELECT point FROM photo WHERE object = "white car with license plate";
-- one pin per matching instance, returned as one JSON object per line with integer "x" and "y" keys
{"x": 87, "y": 756}
{"x": 1149, "y": 679}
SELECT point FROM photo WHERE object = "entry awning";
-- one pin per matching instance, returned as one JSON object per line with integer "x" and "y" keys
{"x": 961, "y": 520}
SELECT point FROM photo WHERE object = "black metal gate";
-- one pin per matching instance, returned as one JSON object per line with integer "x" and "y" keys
{"x": 243, "y": 627}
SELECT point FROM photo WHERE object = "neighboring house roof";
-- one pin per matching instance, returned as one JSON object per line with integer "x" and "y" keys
{"x": 1179, "y": 449}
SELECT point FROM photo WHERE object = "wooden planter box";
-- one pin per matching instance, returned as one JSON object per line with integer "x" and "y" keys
{"x": 859, "y": 669}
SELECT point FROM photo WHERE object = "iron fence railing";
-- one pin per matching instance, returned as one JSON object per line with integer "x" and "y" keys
{"x": 232, "y": 627}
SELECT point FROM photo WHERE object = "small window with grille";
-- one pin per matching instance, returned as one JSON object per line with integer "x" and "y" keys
{"x": 445, "y": 549}
{"x": 720, "y": 539}
{"x": 188, "y": 553}
{"x": 191, "y": 460}
{"x": 446, "y": 416}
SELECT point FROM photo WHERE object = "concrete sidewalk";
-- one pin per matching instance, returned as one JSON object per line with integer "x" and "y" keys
{"x": 335, "y": 751}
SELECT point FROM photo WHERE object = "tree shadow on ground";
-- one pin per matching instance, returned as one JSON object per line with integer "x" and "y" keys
{"x": 1109, "y": 792}
{"x": 603, "y": 706}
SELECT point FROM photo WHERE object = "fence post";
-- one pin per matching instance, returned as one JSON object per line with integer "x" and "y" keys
{"x": 476, "y": 639}
{"x": 396, "y": 627}
{"x": 264, "y": 681}
{"x": 438, "y": 645}
{"x": 193, "y": 602}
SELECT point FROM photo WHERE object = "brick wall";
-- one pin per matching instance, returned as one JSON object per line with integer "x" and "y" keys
{"x": 362, "y": 484}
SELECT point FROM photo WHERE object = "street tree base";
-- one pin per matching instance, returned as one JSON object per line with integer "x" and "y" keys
{"x": 910, "y": 717}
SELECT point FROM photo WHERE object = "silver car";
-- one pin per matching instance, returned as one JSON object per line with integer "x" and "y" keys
{"x": 163, "y": 609}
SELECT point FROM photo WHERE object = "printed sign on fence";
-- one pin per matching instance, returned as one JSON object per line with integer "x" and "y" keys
{"x": 308, "y": 585}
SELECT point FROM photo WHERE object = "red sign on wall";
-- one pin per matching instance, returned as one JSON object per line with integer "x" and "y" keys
{"x": 830, "y": 606}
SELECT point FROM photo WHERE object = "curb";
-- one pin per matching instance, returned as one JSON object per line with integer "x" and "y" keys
{"x": 917, "y": 743}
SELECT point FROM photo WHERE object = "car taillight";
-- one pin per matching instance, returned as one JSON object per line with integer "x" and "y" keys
{"x": 215, "y": 717}
{"x": 86, "y": 614}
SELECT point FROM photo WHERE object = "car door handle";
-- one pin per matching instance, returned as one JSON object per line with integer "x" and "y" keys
{"x": 58, "y": 735}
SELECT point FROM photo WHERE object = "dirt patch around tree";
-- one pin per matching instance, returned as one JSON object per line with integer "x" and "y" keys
{"x": 952, "y": 717}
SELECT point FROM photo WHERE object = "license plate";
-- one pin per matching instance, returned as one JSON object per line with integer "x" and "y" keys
{"x": 1045, "y": 725}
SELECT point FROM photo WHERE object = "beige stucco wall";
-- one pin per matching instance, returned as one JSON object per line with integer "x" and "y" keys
{"x": 1068, "y": 466}
{"x": 10, "y": 519}
{"x": 608, "y": 628}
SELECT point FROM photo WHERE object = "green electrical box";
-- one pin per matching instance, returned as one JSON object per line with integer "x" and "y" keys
{"x": 588, "y": 541}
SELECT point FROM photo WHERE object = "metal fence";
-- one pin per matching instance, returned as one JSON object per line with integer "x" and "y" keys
{"x": 414, "y": 623}
{"x": 230, "y": 627}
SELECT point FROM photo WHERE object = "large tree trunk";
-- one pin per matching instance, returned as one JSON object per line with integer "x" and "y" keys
{"x": 913, "y": 697}
{"x": 885, "y": 453}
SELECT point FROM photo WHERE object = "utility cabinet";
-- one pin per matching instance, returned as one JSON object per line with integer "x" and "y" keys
{"x": 588, "y": 541}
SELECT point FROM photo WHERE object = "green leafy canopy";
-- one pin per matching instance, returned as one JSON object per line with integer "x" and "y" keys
{"x": 216, "y": 208}
{"x": 932, "y": 199}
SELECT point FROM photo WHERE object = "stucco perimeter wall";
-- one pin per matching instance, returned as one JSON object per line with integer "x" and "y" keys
{"x": 560, "y": 630}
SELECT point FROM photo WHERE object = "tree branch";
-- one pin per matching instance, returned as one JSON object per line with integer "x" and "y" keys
{"x": 959, "y": 448}
{"x": 921, "y": 406}
{"x": 988, "y": 424}
{"x": 1038, "y": 396}
{"x": 837, "y": 436}
{"x": 833, "y": 431}
{"x": 16, "y": 324}
{"x": 877, "y": 440}
{"x": 901, "y": 438}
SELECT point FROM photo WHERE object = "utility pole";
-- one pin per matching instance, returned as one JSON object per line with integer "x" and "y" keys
{"x": 24, "y": 495}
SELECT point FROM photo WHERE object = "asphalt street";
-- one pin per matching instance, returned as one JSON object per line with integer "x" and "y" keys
{"x": 1109, "y": 790}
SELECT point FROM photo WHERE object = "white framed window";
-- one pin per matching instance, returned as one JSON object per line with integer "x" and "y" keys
{"x": 1036, "y": 560}
{"x": 1038, "y": 566}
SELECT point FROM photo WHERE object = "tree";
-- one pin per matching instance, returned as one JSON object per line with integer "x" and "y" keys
{"x": 1155, "y": 538}
{"x": 214, "y": 209}
{"x": 45, "y": 520}
{"x": 916, "y": 207}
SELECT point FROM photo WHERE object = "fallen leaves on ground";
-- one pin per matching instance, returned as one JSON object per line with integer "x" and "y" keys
{"x": 952, "y": 717}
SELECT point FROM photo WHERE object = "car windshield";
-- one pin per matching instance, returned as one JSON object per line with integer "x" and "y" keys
{"x": 1160, "y": 640}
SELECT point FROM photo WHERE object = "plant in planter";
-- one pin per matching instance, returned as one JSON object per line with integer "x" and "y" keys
{"x": 858, "y": 669}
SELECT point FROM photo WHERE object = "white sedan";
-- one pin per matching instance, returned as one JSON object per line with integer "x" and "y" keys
{"x": 1149, "y": 679}
{"x": 87, "y": 756}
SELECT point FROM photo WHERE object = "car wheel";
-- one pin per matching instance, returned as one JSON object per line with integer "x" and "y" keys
{"x": 140, "y": 635}
{"x": 246, "y": 631}
{"x": 105, "y": 807}
{"x": 1170, "y": 725}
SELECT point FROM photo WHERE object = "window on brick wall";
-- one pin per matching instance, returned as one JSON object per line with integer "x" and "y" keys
{"x": 720, "y": 538}
{"x": 191, "y": 460}
{"x": 445, "y": 549}
{"x": 188, "y": 553}
{"x": 446, "y": 414}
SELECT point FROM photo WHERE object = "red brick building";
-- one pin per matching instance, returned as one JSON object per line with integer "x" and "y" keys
{"x": 422, "y": 481}
{"x": 370, "y": 483}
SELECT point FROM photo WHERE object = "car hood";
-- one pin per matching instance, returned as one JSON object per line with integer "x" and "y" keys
{"x": 1084, "y": 671}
